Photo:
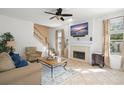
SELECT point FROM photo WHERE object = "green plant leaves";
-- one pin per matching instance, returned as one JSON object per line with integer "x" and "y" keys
{"x": 3, "y": 41}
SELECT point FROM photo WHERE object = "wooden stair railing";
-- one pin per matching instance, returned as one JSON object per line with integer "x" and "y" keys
{"x": 40, "y": 36}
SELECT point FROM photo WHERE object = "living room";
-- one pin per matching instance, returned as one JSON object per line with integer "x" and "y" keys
{"x": 79, "y": 77}
{"x": 31, "y": 27}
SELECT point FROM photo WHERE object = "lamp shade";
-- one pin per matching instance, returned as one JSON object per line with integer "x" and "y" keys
{"x": 11, "y": 44}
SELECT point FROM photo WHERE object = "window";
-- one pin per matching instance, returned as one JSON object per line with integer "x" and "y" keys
{"x": 116, "y": 35}
{"x": 59, "y": 41}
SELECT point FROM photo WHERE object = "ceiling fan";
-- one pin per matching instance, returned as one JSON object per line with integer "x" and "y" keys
{"x": 58, "y": 14}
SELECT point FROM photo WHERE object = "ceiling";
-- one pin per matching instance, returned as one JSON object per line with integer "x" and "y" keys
{"x": 37, "y": 15}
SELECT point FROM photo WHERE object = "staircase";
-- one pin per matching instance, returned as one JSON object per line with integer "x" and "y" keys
{"x": 39, "y": 36}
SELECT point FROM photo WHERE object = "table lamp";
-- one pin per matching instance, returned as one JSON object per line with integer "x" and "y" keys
{"x": 11, "y": 45}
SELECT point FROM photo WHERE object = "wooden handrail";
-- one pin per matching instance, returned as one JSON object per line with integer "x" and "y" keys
{"x": 40, "y": 36}
{"x": 38, "y": 31}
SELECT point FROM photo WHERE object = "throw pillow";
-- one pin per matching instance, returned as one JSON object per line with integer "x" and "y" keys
{"x": 19, "y": 62}
{"x": 6, "y": 63}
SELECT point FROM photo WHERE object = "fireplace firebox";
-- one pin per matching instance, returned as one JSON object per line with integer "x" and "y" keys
{"x": 79, "y": 55}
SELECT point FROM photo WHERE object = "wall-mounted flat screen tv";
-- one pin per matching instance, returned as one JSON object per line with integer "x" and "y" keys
{"x": 79, "y": 30}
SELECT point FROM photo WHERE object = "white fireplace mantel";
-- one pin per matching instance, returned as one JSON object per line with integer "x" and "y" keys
{"x": 88, "y": 44}
{"x": 85, "y": 49}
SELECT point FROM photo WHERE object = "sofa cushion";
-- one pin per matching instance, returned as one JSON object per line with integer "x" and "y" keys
{"x": 6, "y": 63}
{"x": 19, "y": 62}
{"x": 23, "y": 75}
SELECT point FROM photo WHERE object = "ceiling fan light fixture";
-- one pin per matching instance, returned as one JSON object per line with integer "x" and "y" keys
{"x": 62, "y": 18}
{"x": 59, "y": 15}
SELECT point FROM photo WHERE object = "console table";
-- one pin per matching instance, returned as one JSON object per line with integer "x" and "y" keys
{"x": 98, "y": 59}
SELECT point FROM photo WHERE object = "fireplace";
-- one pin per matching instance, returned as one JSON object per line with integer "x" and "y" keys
{"x": 79, "y": 55}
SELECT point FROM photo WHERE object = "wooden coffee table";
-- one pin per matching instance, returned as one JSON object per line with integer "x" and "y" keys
{"x": 52, "y": 63}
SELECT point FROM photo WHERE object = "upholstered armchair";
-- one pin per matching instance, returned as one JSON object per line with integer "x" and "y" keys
{"x": 32, "y": 54}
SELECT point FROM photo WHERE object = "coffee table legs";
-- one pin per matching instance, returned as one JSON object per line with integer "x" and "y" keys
{"x": 51, "y": 71}
{"x": 52, "y": 68}
{"x": 65, "y": 65}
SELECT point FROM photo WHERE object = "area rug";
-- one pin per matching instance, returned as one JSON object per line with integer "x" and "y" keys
{"x": 60, "y": 75}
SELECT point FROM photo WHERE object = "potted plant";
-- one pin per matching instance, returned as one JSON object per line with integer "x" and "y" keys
{"x": 3, "y": 41}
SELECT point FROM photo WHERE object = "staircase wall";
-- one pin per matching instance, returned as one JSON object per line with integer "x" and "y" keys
{"x": 44, "y": 31}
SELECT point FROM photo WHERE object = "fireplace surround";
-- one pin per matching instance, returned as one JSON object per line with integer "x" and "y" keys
{"x": 80, "y": 53}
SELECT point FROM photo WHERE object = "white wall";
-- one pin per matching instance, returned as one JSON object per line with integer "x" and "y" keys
{"x": 21, "y": 30}
{"x": 95, "y": 31}
{"x": 52, "y": 37}
{"x": 97, "y": 36}
{"x": 52, "y": 34}
{"x": 83, "y": 41}
{"x": 72, "y": 40}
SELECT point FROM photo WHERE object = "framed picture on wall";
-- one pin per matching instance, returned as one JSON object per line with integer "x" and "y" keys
{"x": 79, "y": 30}
{"x": 117, "y": 24}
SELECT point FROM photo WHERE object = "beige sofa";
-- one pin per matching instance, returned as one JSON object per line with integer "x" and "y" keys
{"x": 28, "y": 75}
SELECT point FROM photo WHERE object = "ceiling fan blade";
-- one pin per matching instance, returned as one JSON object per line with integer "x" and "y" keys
{"x": 66, "y": 15}
{"x": 52, "y": 17}
{"x": 57, "y": 17}
{"x": 62, "y": 18}
{"x": 49, "y": 13}
{"x": 58, "y": 14}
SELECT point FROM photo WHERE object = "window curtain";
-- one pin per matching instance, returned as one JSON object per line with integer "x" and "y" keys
{"x": 122, "y": 63}
{"x": 122, "y": 53}
{"x": 56, "y": 40}
{"x": 106, "y": 42}
{"x": 63, "y": 41}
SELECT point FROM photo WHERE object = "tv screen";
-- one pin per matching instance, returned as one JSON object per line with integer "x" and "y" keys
{"x": 79, "y": 30}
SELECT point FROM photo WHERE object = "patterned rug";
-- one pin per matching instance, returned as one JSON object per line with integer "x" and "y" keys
{"x": 60, "y": 75}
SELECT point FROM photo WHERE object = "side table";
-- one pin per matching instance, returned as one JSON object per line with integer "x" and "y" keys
{"x": 98, "y": 59}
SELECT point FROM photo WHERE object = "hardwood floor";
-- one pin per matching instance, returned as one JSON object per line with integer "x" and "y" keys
{"x": 93, "y": 75}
